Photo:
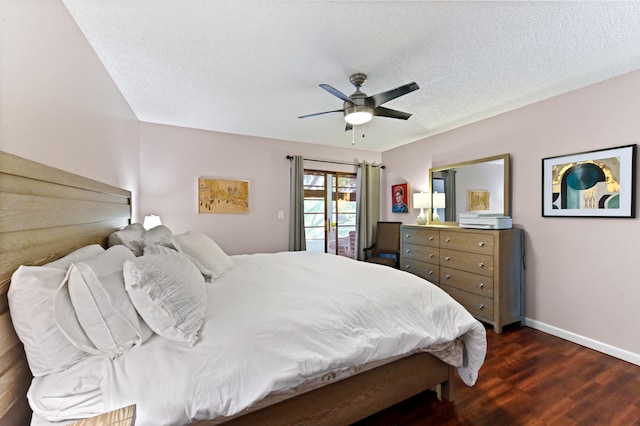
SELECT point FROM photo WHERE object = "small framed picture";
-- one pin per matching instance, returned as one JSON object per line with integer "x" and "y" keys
{"x": 590, "y": 184}
{"x": 400, "y": 198}
{"x": 479, "y": 200}
{"x": 223, "y": 195}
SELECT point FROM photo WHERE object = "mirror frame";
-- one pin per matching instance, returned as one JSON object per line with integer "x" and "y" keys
{"x": 506, "y": 183}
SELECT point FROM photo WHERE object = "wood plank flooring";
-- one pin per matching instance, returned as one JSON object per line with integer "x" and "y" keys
{"x": 531, "y": 378}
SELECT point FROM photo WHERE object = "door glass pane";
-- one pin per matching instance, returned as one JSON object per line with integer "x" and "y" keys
{"x": 346, "y": 214}
{"x": 330, "y": 212}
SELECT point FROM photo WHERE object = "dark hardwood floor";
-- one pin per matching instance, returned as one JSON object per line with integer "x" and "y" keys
{"x": 531, "y": 378}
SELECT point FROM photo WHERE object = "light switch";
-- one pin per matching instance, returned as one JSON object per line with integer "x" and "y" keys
{"x": 280, "y": 214}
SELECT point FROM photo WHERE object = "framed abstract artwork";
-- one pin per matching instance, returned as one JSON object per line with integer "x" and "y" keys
{"x": 597, "y": 183}
{"x": 223, "y": 195}
{"x": 400, "y": 198}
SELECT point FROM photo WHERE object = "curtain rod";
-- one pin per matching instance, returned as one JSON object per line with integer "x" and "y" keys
{"x": 290, "y": 157}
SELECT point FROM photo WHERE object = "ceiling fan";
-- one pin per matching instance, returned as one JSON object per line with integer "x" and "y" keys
{"x": 360, "y": 108}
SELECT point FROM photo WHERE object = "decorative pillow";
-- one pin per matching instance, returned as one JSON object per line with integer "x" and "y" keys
{"x": 93, "y": 309}
{"x": 31, "y": 296}
{"x": 168, "y": 291}
{"x": 129, "y": 237}
{"x": 152, "y": 249}
{"x": 210, "y": 259}
{"x": 160, "y": 235}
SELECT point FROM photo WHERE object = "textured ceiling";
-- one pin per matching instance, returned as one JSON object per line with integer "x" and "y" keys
{"x": 253, "y": 67}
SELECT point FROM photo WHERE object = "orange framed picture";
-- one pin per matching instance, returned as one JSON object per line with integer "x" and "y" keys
{"x": 223, "y": 195}
{"x": 479, "y": 199}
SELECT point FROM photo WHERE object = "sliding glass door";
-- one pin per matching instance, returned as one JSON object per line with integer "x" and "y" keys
{"x": 330, "y": 212}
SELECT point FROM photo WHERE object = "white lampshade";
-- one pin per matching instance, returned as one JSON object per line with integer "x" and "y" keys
{"x": 421, "y": 200}
{"x": 439, "y": 200}
{"x": 151, "y": 221}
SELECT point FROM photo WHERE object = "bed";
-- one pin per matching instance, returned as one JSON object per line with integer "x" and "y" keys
{"x": 47, "y": 213}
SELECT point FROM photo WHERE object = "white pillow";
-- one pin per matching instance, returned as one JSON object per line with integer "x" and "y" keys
{"x": 160, "y": 235}
{"x": 93, "y": 309}
{"x": 168, "y": 291}
{"x": 31, "y": 296}
{"x": 212, "y": 261}
{"x": 129, "y": 237}
{"x": 82, "y": 253}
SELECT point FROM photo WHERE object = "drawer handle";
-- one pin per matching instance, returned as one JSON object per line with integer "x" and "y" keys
{"x": 481, "y": 307}
{"x": 447, "y": 240}
{"x": 481, "y": 264}
{"x": 446, "y": 258}
{"x": 430, "y": 272}
{"x": 446, "y": 277}
{"x": 430, "y": 255}
{"x": 481, "y": 285}
{"x": 431, "y": 238}
{"x": 407, "y": 251}
{"x": 407, "y": 266}
{"x": 408, "y": 235}
{"x": 481, "y": 243}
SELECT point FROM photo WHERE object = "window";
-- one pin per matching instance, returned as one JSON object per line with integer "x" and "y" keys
{"x": 330, "y": 212}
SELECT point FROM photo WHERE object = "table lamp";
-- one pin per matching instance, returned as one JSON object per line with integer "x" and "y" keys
{"x": 421, "y": 200}
{"x": 439, "y": 202}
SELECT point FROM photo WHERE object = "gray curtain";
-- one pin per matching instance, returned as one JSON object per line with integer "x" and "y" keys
{"x": 297, "y": 240}
{"x": 450, "y": 191}
{"x": 367, "y": 206}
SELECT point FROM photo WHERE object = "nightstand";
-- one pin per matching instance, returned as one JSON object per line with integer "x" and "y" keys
{"x": 125, "y": 416}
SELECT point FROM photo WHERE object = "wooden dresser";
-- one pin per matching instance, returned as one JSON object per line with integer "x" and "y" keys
{"x": 481, "y": 269}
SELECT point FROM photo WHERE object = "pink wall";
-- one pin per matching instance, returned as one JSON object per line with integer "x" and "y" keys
{"x": 172, "y": 159}
{"x": 581, "y": 274}
{"x": 58, "y": 105}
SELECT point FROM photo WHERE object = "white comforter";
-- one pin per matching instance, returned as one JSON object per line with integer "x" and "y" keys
{"x": 273, "y": 322}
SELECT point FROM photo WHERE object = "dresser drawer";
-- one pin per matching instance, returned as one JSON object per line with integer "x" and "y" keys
{"x": 467, "y": 241}
{"x": 474, "y": 283}
{"x": 428, "y": 271}
{"x": 471, "y": 262}
{"x": 414, "y": 235}
{"x": 419, "y": 252}
{"x": 478, "y": 306}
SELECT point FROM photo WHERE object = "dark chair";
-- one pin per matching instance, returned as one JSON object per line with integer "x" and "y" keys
{"x": 386, "y": 248}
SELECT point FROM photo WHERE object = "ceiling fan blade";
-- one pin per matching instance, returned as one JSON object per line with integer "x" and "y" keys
{"x": 391, "y": 113}
{"x": 320, "y": 113}
{"x": 383, "y": 97}
{"x": 336, "y": 92}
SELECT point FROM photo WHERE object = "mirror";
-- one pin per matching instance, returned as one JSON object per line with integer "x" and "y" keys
{"x": 480, "y": 186}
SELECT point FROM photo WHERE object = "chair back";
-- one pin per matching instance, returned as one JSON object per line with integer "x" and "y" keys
{"x": 352, "y": 244}
{"x": 387, "y": 237}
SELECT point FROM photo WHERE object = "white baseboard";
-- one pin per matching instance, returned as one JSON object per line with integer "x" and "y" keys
{"x": 584, "y": 341}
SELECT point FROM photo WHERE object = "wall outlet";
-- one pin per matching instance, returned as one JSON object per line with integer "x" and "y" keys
{"x": 280, "y": 214}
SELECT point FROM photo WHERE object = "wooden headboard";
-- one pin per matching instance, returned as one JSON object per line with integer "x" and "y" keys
{"x": 45, "y": 213}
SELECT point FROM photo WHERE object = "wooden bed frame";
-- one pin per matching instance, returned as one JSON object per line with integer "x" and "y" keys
{"x": 45, "y": 213}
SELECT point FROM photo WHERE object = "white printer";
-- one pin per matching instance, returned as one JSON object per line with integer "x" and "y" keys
{"x": 484, "y": 221}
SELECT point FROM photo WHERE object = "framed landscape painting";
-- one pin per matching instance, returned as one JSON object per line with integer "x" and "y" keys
{"x": 590, "y": 184}
{"x": 223, "y": 195}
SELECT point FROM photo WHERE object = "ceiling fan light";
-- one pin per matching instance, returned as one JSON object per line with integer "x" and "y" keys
{"x": 358, "y": 114}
